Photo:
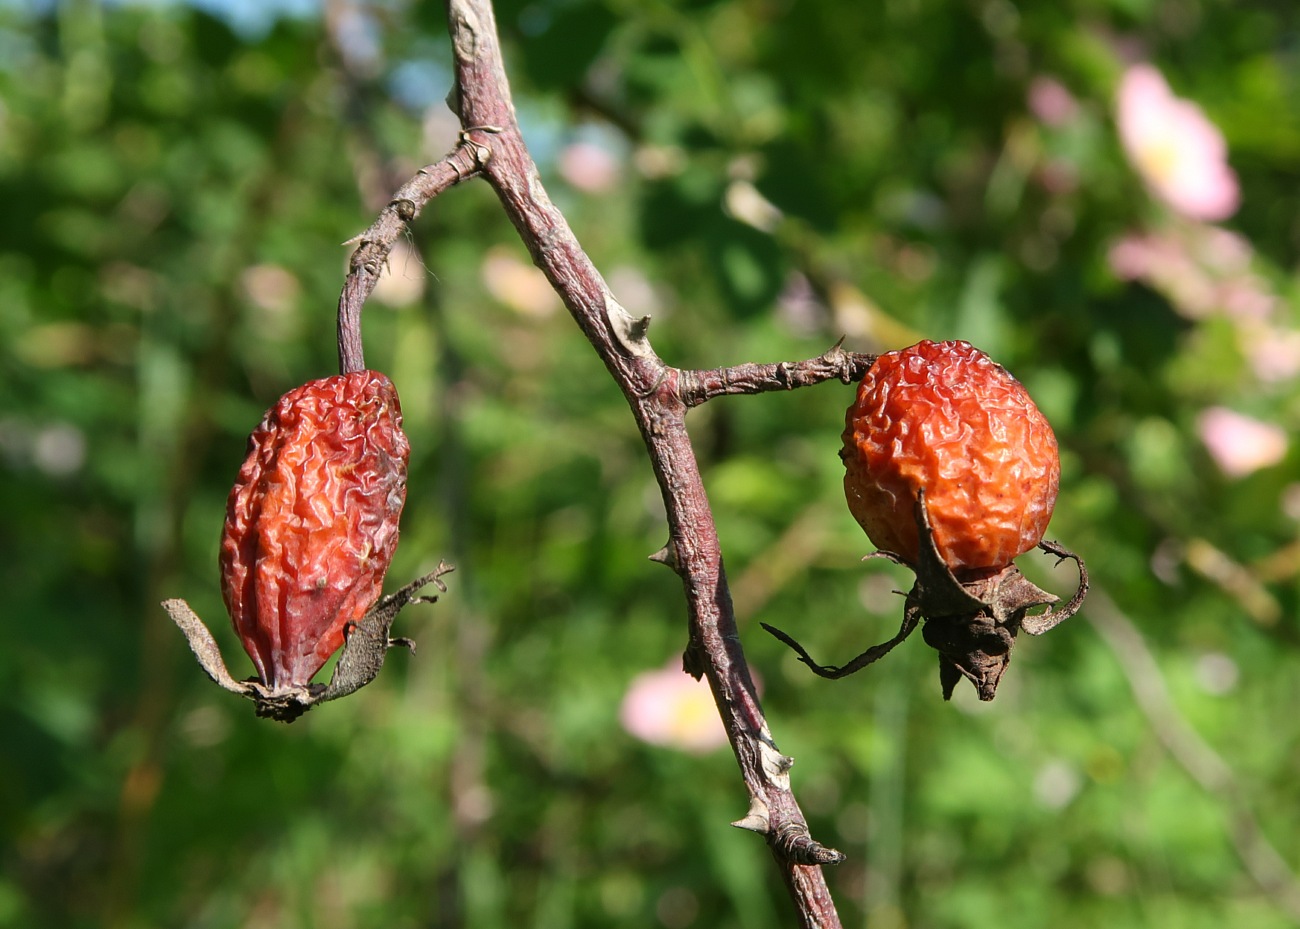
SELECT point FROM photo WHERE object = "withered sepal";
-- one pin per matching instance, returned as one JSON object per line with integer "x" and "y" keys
{"x": 365, "y": 646}
{"x": 971, "y": 624}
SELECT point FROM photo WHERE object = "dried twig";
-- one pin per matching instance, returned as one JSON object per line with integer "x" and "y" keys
{"x": 698, "y": 386}
{"x": 373, "y": 245}
{"x": 653, "y": 391}
{"x": 659, "y": 396}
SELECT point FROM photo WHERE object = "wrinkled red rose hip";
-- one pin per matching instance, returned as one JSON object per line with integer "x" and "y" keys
{"x": 943, "y": 418}
{"x": 312, "y": 522}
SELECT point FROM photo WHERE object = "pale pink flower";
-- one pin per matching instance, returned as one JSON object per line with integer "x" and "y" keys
{"x": 1222, "y": 250}
{"x": 1051, "y": 102}
{"x": 518, "y": 284}
{"x": 1273, "y": 353}
{"x": 670, "y": 708}
{"x": 1179, "y": 153}
{"x": 1247, "y": 298}
{"x": 1239, "y": 444}
{"x": 1163, "y": 262}
{"x": 1202, "y": 270}
{"x": 1148, "y": 257}
{"x": 589, "y": 167}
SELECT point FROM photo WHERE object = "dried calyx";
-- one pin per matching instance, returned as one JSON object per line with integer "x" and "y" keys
{"x": 366, "y": 644}
{"x": 971, "y": 624}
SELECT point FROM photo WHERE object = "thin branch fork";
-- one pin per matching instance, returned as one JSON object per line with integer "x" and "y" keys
{"x": 493, "y": 148}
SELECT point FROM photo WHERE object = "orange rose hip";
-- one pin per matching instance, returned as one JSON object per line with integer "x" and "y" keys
{"x": 944, "y": 418}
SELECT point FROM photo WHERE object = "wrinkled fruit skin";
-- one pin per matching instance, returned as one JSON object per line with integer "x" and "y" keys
{"x": 311, "y": 523}
{"x": 943, "y": 417}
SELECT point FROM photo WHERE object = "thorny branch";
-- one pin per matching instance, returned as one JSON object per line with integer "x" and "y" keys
{"x": 492, "y": 148}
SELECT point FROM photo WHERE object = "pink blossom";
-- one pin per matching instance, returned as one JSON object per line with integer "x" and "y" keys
{"x": 670, "y": 708}
{"x": 1247, "y": 298}
{"x": 1051, "y": 102}
{"x": 1273, "y": 353}
{"x": 1164, "y": 262}
{"x": 589, "y": 167}
{"x": 1239, "y": 444}
{"x": 1179, "y": 153}
{"x": 1202, "y": 270}
{"x": 1222, "y": 250}
{"x": 518, "y": 284}
{"x": 1139, "y": 256}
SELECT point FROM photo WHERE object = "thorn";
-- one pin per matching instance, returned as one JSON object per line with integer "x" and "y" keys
{"x": 775, "y": 765}
{"x": 757, "y": 819}
{"x": 754, "y": 823}
{"x": 630, "y": 331}
{"x": 666, "y": 556}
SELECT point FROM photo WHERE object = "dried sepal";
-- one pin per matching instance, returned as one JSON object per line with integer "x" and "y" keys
{"x": 972, "y": 624}
{"x": 365, "y": 646}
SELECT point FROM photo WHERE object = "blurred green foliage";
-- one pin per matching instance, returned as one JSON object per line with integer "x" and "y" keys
{"x": 763, "y": 176}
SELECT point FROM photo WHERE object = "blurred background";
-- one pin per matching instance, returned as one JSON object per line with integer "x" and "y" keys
{"x": 1102, "y": 194}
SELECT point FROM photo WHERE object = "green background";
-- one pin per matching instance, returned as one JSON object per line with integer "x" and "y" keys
{"x": 174, "y": 188}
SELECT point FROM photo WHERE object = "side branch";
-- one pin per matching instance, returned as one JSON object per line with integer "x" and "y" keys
{"x": 461, "y": 163}
{"x": 699, "y": 386}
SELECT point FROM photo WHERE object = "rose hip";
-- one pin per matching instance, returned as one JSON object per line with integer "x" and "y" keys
{"x": 943, "y": 418}
{"x": 312, "y": 522}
